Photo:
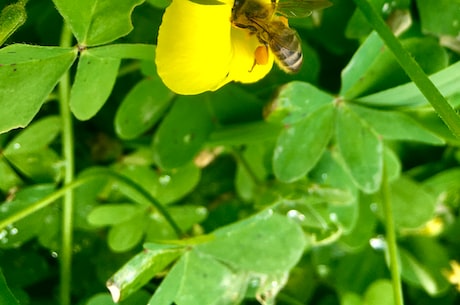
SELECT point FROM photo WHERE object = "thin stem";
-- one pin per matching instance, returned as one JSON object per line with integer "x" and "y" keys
{"x": 69, "y": 171}
{"x": 391, "y": 241}
{"x": 103, "y": 173}
{"x": 411, "y": 67}
{"x": 242, "y": 160}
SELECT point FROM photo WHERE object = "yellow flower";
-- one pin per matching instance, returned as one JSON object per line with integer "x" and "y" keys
{"x": 454, "y": 275}
{"x": 199, "y": 50}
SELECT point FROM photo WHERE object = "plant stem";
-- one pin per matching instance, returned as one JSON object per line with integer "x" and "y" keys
{"x": 391, "y": 241}
{"x": 411, "y": 67}
{"x": 42, "y": 203}
{"x": 69, "y": 169}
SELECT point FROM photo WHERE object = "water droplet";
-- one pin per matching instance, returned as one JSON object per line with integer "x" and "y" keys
{"x": 3, "y": 234}
{"x": 4, "y": 240}
{"x": 374, "y": 207}
{"x": 4, "y": 208}
{"x": 386, "y": 8}
{"x": 164, "y": 179}
{"x": 14, "y": 231}
{"x": 378, "y": 243}
{"x": 54, "y": 254}
{"x": 333, "y": 217}
{"x": 324, "y": 177}
{"x": 16, "y": 145}
{"x": 201, "y": 211}
{"x": 296, "y": 215}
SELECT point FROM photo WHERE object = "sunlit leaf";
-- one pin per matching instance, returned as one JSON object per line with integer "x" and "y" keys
{"x": 93, "y": 84}
{"x": 95, "y": 22}
{"x": 300, "y": 146}
{"x": 361, "y": 149}
{"x": 22, "y": 75}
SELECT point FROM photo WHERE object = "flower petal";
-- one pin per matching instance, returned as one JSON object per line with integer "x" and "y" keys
{"x": 199, "y": 50}
{"x": 194, "y": 47}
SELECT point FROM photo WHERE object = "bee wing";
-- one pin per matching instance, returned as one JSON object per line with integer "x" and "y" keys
{"x": 300, "y": 8}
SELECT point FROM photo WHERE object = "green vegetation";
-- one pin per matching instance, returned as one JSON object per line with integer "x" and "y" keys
{"x": 339, "y": 185}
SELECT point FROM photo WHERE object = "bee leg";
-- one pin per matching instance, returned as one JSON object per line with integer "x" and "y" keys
{"x": 260, "y": 56}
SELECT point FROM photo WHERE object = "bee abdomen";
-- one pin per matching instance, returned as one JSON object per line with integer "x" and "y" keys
{"x": 289, "y": 56}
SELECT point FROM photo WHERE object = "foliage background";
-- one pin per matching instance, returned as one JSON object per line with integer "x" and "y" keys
{"x": 291, "y": 175}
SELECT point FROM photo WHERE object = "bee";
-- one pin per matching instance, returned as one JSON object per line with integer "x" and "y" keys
{"x": 268, "y": 21}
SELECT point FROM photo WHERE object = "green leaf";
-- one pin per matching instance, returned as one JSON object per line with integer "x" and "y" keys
{"x": 112, "y": 214}
{"x": 412, "y": 205}
{"x": 42, "y": 166}
{"x": 126, "y": 50}
{"x": 428, "y": 259}
{"x": 10, "y": 178}
{"x": 34, "y": 138}
{"x": 296, "y": 101}
{"x": 6, "y": 297}
{"x": 144, "y": 105}
{"x": 242, "y": 244}
{"x": 11, "y": 18}
{"x": 447, "y": 23}
{"x": 93, "y": 84}
{"x": 139, "y": 270}
{"x": 361, "y": 149}
{"x": 300, "y": 146}
{"x": 445, "y": 80}
{"x": 183, "y": 132}
{"x": 30, "y": 226}
{"x": 199, "y": 279}
{"x": 379, "y": 292}
{"x": 22, "y": 70}
{"x": 427, "y": 52}
{"x": 394, "y": 125}
{"x": 244, "y": 133}
{"x": 124, "y": 236}
{"x": 363, "y": 58}
{"x": 95, "y": 22}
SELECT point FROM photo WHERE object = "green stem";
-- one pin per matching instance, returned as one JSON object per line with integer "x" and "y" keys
{"x": 242, "y": 160}
{"x": 411, "y": 67}
{"x": 391, "y": 241}
{"x": 69, "y": 171}
{"x": 103, "y": 173}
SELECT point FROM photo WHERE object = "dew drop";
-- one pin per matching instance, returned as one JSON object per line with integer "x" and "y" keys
{"x": 374, "y": 207}
{"x": 54, "y": 254}
{"x": 164, "y": 179}
{"x": 13, "y": 231}
{"x": 333, "y": 217}
{"x": 3, "y": 234}
{"x": 377, "y": 243}
{"x": 296, "y": 215}
{"x": 386, "y": 8}
{"x": 16, "y": 145}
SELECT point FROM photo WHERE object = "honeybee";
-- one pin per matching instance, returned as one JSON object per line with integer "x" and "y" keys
{"x": 269, "y": 23}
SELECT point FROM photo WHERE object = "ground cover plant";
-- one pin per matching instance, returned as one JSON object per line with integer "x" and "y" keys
{"x": 336, "y": 185}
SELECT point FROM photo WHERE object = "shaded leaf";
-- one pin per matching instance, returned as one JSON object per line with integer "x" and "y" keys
{"x": 447, "y": 23}
{"x": 142, "y": 108}
{"x": 183, "y": 132}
